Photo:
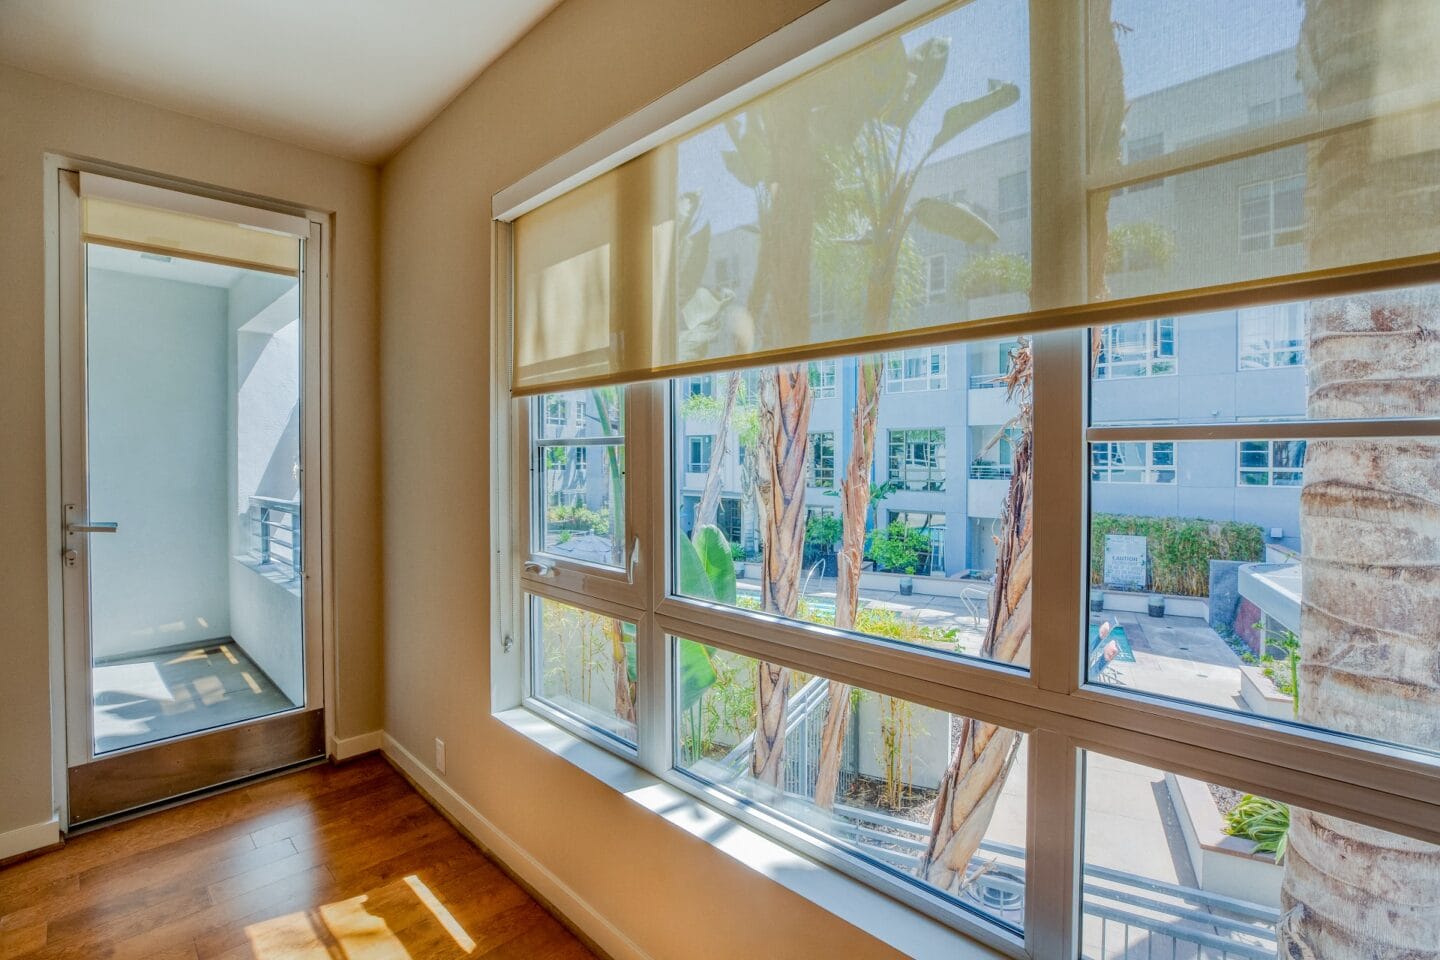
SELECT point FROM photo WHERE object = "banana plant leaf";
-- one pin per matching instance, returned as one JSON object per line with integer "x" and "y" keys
{"x": 697, "y": 671}
{"x": 717, "y": 562}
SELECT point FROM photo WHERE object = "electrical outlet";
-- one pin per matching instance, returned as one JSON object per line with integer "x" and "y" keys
{"x": 439, "y": 755}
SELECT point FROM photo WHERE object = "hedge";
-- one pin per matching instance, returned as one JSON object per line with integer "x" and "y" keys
{"x": 1179, "y": 549}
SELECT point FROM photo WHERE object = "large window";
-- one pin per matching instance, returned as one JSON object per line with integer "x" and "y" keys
{"x": 1271, "y": 463}
{"x": 822, "y": 459}
{"x": 1272, "y": 336}
{"x": 1014, "y": 196}
{"x": 1180, "y": 700}
{"x": 823, "y": 383}
{"x": 1272, "y": 213}
{"x": 1132, "y": 462}
{"x": 699, "y": 449}
{"x": 1144, "y": 348}
{"x": 935, "y": 278}
{"x": 907, "y": 371}
{"x": 917, "y": 459}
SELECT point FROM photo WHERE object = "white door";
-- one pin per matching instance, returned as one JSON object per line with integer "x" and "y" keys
{"x": 190, "y": 413}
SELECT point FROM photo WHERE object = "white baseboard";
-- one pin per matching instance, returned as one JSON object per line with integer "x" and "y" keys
{"x": 605, "y": 934}
{"x": 343, "y": 748}
{"x": 33, "y": 837}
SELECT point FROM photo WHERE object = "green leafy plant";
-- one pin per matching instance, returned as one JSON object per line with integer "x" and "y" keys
{"x": 899, "y": 547}
{"x": 823, "y": 530}
{"x": 1180, "y": 550}
{"x": 1264, "y": 821}
{"x": 993, "y": 274}
{"x": 1139, "y": 246}
{"x": 1286, "y": 676}
{"x": 577, "y": 519}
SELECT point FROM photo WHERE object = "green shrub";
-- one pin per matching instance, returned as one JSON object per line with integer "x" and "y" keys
{"x": 993, "y": 274}
{"x": 899, "y": 547}
{"x": 822, "y": 530}
{"x": 1179, "y": 549}
{"x": 578, "y": 519}
{"x": 1266, "y": 822}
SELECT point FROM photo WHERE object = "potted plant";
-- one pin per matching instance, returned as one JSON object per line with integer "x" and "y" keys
{"x": 898, "y": 548}
{"x": 1156, "y": 605}
{"x": 822, "y": 533}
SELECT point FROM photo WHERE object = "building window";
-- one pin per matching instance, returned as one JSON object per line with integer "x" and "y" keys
{"x": 917, "y": 459}
{"x": 821, "y": 456}
{"x": 1014, "y": 197}
{"x": 699, "y": 450}
{"x": 557, "y": 415}
{"x": 1145, "y": 148}
{"x": 825, "y": 301}
{"x": 1272, "y": 336}
{"x": 823, "y": 379}
{"x": 700, "y": 386}
{"x": 933, "y": 524}
{"x": 727, "y": 272}
{"x": 1272, "y": 213}
{"x": 910, "y": 371}
{"x": 935, "y": 277}
{"x": 1271, "y": 463}
{"x": 1145, "y": 462}
{"x": 1144, "y": 348}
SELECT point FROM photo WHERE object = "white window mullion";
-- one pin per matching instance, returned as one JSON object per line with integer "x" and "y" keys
{"x": 653, "y": 526}
{"x": 1060, "y": 465}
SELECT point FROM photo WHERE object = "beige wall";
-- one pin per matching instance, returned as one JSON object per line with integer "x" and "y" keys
{"x": 39, "y": 115}
{"x": 586, "y": 66}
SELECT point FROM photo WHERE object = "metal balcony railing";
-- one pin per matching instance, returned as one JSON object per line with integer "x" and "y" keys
{"x": 990, "y": 471}
{"x": 275, "y": 524}
{"x": 987, "y": 381}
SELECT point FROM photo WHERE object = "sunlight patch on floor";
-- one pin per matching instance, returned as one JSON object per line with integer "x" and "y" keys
{"x": 373, "y": 926}
{"x": 447, "y": 920}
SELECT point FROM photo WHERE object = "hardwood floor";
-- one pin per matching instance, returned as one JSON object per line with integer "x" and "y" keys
{"x": 330, "y": 862}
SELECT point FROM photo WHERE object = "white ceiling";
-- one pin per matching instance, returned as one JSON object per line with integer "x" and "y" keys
{"x": 355, "y": 78}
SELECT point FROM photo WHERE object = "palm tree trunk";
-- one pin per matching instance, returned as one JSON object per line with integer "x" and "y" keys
{"x": 1369, "y": 509}
{"x": 784, "y": 420}
{"x": 985, "y": 752}
{"x": 854, "y": 508}
{"x": 709, "y": 504}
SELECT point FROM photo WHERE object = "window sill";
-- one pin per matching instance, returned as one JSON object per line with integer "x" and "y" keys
{"x": 850, "y": 901}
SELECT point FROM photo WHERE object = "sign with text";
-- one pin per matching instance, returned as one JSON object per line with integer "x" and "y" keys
{"x": 1125, "y": 562}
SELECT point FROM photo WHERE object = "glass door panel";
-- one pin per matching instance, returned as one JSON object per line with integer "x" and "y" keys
{"x": 193, "y": 428}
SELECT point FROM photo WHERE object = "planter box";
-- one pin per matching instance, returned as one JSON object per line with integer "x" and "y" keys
{"x": 1130, "y": 602}
{"x": 1261, "y": 697}
{"x": 1223, "y": 864}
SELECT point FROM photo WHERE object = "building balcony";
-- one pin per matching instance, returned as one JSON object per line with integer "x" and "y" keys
{"x": 987, "y": 403}
{"x": 986, "y": 497}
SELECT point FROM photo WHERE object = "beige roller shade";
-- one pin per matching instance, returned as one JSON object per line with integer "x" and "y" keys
{"x": 888, "y": 197}
{"x": 153, "y": 230}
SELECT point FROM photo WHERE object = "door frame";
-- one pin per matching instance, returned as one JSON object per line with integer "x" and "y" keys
{"x": 71, "y": 738}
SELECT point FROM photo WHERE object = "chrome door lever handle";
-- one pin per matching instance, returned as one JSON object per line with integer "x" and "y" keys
{"x": 99, "y": 526}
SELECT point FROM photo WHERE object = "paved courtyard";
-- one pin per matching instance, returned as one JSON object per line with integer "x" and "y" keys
{"x": 1132, "y": 828}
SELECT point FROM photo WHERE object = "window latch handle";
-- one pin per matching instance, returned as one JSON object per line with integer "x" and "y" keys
{"x": 634, "y": 560}
{"x": 541, "y": 568}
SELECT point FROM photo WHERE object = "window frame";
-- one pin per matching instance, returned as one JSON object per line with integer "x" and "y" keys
{"x": 1148, "y": 468}
{"x": 1271, "y": 234}
{"x": 1269, "y": 470}
{"x": 1387, "y": 786}
{"x": 936, "y": 375}
{"x": 1273, "y": 318}
{"x": 1154, "y": 339}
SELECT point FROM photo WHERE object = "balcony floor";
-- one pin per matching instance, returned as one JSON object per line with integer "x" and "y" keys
{"x": 177, "y": 691}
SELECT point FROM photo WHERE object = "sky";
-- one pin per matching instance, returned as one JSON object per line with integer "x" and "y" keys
{"x": 1162, "y": 43}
